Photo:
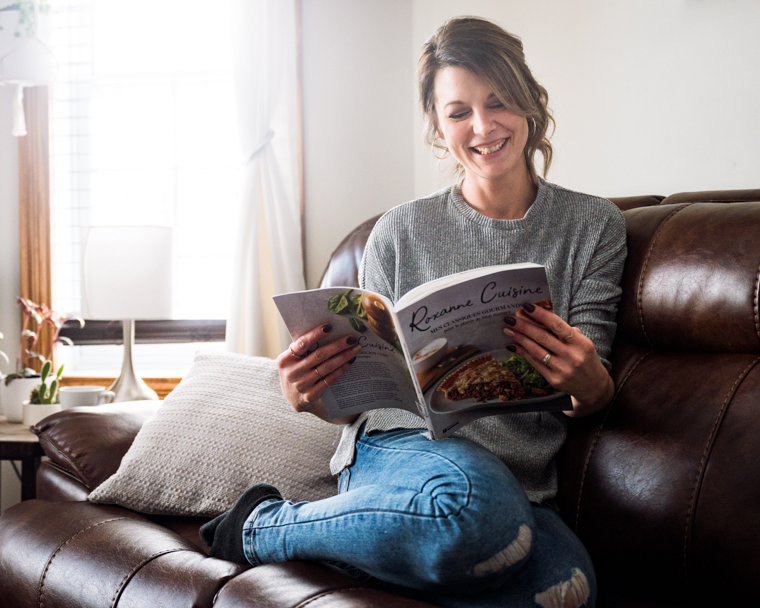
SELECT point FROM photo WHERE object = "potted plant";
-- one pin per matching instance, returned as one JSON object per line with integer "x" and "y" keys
{"x": 43, "y": 400}
{"x": 17, "y": 386}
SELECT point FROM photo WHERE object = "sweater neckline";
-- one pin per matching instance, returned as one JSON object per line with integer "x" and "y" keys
{"x": 533, "y": 214}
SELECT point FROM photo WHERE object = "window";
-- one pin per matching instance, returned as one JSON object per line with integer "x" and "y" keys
{"x": 143, "y": 131}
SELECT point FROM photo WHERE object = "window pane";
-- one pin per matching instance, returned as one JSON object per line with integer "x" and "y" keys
{"x": 144, "y": 130}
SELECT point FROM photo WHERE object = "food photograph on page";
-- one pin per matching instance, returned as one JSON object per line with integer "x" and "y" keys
{"x": 461, "y": 377}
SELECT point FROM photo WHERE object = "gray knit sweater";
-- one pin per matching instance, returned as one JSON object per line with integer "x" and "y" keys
{"x": 581, "y": 241}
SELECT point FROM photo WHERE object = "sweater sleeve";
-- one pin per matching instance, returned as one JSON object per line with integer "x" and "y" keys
{"x": 593, "y": 304}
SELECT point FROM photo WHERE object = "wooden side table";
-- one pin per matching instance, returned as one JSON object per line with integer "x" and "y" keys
{"x": 17, "y": 442}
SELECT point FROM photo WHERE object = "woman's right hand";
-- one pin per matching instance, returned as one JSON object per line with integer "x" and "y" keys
{"x": 308, "y": 368}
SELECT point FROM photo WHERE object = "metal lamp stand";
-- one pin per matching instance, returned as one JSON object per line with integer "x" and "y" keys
{"x": 128, "y": 386}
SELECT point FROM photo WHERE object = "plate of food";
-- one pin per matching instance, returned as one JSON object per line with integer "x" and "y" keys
{"x": 487, "y": 379}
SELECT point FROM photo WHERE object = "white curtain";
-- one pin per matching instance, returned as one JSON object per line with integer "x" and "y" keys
{"x": 265, "y": 56}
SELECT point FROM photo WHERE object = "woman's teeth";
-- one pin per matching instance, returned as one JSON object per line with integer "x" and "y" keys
{"x": 492, "y": 149}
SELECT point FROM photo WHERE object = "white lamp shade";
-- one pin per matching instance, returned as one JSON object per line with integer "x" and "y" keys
{"x": 127, "y": 272}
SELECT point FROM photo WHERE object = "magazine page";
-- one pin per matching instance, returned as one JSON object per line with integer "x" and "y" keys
{"x": 380, "y": 377}
{"x": 456, "y": 342}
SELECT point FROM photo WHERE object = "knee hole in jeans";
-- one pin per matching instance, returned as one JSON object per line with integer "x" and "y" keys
{"x": 572, "y": 593}
{"x": 516, "y": 551}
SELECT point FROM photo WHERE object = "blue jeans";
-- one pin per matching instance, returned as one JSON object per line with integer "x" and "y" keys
{"x": 441, "y": 521}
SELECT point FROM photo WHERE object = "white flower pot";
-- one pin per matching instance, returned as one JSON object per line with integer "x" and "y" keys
{"x": 34, "y": 412}
{"x": 14, "y": 395}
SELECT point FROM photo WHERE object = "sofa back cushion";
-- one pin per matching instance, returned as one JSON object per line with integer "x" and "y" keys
{"x": 663, "y": 486}
{"x": 691, "y": 279}
{"x": 89, "y": 443}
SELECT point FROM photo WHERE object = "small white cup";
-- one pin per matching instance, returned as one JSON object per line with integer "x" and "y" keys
{"x": 74, "y": 396}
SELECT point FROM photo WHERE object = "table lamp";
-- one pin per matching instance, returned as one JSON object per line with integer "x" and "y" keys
{"x": 127, "y": 275}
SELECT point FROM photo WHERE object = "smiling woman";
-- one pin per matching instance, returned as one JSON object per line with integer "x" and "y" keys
{"x": 469, "y": 519}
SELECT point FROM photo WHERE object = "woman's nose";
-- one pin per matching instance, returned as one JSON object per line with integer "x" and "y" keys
{"x": 482, "y": 123}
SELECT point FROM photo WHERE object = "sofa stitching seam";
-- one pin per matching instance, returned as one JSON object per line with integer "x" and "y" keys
{"x": 137, "y": 567}
{"x": 596, "y": 438}
{"x": 331, "y": 592}
{"x": 61, "y": 546}
{"x": 701, "y": 469}
{"x": 64, "y": 471}
{"x": 755, "y": 303}
{"x": 640, "y": 288}
{"x": 74, "y": 469}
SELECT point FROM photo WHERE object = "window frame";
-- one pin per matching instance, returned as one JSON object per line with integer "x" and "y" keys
{"x": 35, "y": 246}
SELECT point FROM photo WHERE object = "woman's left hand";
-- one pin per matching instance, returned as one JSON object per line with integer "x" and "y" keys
{"x": 564, "y": 356}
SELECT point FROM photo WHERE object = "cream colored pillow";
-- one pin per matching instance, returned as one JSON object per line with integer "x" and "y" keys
{"x": 224, "y": 428}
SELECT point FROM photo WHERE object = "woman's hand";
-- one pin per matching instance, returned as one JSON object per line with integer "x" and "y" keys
{"x": 564, "y": 356}
{"x": 307, "y": 369}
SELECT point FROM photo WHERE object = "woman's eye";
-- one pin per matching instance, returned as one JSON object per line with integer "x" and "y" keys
{"x": 457, "y": 115}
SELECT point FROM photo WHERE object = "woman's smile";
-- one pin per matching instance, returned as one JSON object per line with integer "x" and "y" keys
{"x": 489, "y": 149}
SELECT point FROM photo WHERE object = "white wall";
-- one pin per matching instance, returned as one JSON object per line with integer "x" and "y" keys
{"x": 650, "y": 97}
{"x": 359, "y": 107}
{"x": 10, "y": 281}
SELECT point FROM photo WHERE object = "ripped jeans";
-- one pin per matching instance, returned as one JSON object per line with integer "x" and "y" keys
{"x": 440, "y": 521}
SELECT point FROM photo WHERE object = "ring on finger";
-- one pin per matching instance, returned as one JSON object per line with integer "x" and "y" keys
{"x": 572, "y": 333}
{"x": 321, "y": 377}
{"x": 546, "y": 358}
{"x": 290, "y": 348}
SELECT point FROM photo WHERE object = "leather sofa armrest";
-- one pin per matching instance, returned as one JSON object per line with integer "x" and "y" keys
{"x": 89, "y": 442}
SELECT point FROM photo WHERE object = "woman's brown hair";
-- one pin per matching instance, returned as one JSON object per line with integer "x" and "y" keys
{"x": 496, "y": 56}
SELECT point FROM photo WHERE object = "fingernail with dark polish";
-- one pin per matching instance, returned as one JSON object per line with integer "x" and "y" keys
{"x": 327, "y": 328}
{"x": 352, "y": 360}
{"x": 529, "y": 307}
{"x": 351, "y": 340}
{"x": 511, "y": 348}
{"x": 510, "y": 320}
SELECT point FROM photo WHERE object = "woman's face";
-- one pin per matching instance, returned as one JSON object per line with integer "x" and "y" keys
{"x": 487, "y": 139}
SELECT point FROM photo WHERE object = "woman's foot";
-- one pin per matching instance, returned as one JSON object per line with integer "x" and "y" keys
{"x": 224, "y": 534}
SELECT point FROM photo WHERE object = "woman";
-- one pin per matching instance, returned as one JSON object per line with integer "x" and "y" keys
{"x": 466, "y": 521}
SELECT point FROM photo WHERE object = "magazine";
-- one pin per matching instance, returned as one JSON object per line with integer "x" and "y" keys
{"x": 439, "y": 352}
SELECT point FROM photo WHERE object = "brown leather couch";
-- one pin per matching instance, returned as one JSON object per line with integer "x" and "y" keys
{"x": 663, "y": 486}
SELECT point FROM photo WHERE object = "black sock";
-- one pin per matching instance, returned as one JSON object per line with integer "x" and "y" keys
{"x": 209, "y": 528}
{"x": 224, "y": 534}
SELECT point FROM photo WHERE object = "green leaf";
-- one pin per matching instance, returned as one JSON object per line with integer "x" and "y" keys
{"x": 45, "y": 370}
{"x": 53, "y": 391}
{"x": 60, "y": 371}
{"x": 355, "y": 306}
{"x": 337, "y": 303}
{"x": 357, "y": 325}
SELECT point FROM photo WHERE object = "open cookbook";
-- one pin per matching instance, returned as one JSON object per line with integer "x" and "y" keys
{"x": 439, "y": 352}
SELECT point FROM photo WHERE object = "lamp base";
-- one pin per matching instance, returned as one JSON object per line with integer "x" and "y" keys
{"x": 128, "y": 386}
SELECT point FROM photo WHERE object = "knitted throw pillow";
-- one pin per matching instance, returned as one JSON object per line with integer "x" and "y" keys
{"x": 224, "y": 428}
